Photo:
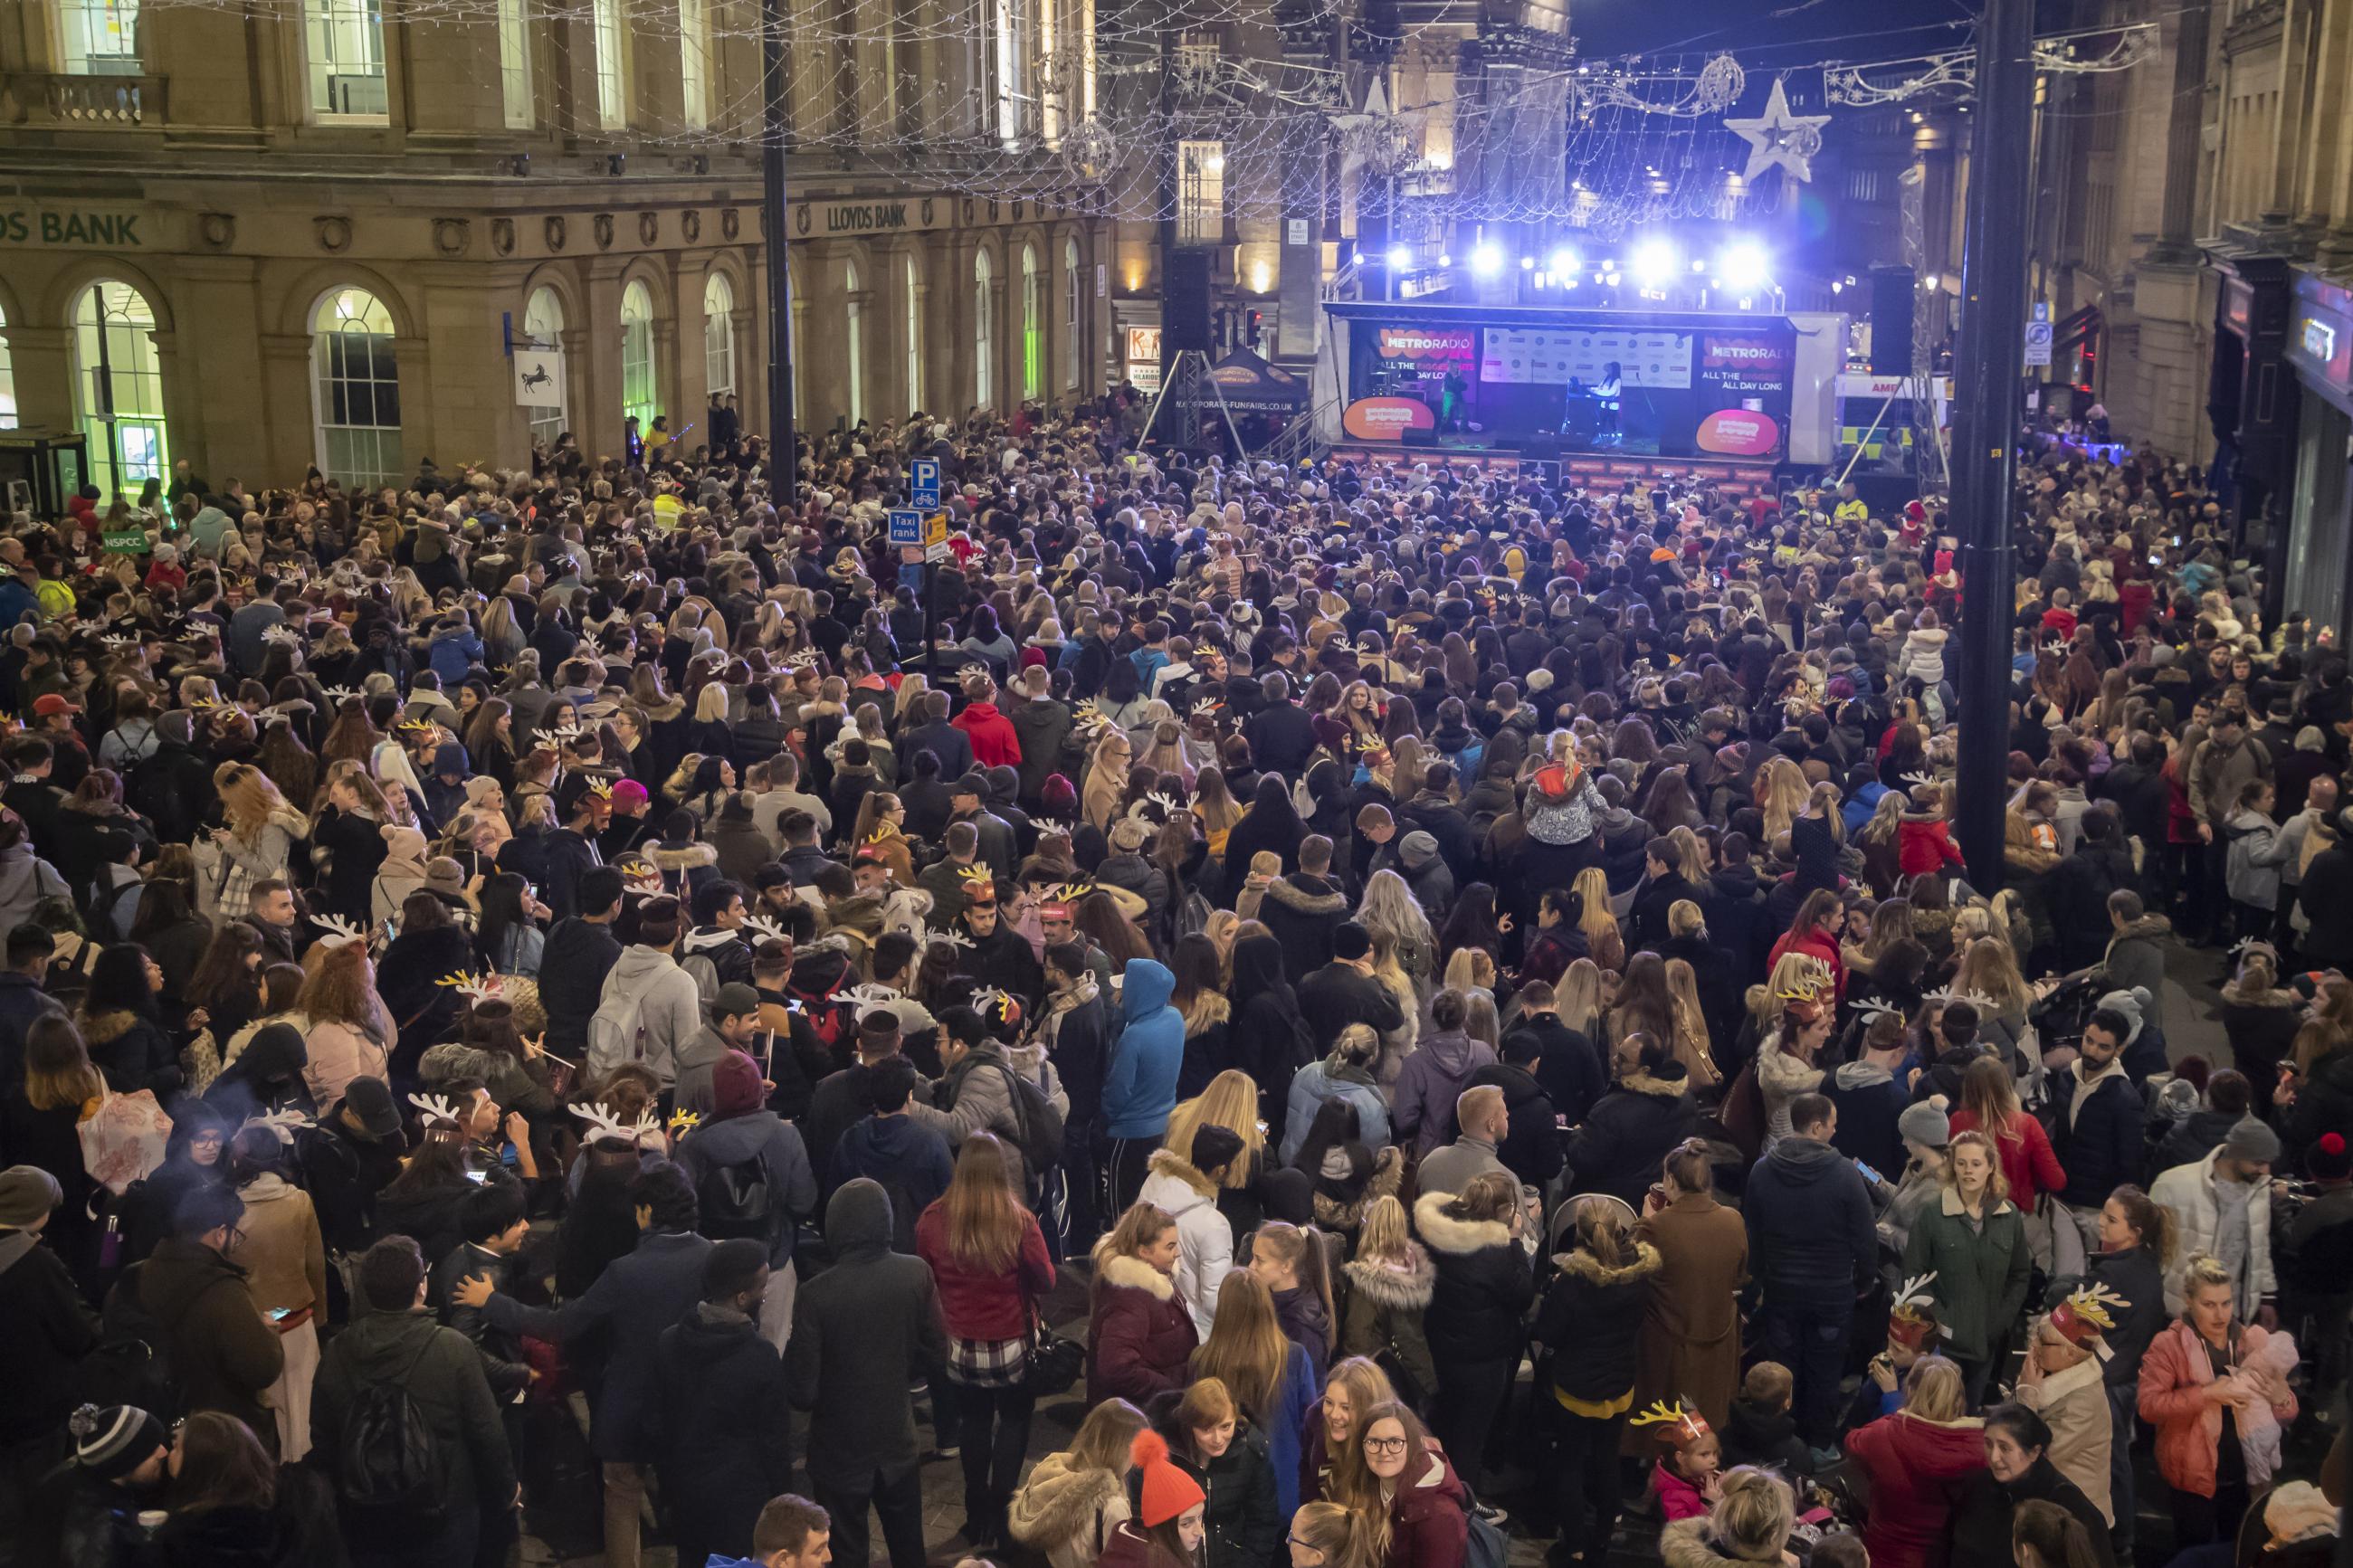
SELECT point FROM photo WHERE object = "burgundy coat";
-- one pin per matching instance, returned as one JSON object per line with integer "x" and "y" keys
{"x": 1429, "y": 1527}
{"x": 1140, "y": 1338}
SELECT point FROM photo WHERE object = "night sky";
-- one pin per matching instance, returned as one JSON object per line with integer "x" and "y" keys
{"x": 1770, "y": 33}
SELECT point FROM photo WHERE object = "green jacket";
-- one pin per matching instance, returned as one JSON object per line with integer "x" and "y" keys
{"x": 1980, "y": 1280}
{"x": 442, "y": 1370}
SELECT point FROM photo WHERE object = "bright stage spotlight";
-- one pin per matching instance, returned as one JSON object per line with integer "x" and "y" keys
{"x": 1745, "y": 264}
{"x": 1399, "y": 258}
{"x": 1564, "y": 261}
{"x": 1653, "y": 262}
{"x": 1486, "y": 260}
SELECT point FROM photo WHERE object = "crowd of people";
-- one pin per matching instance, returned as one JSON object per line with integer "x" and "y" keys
{"x": 569, "y": 1003}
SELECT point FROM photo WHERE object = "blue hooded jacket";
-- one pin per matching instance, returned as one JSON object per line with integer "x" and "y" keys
{"x": 1140, "y": 1087}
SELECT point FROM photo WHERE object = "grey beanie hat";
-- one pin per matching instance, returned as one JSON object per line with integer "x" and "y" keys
{"x": 28, "y": 1193}
{"x": 2251, "y": 1141}
{"x": 1925, "y": 1123}
{"x": 1415, "y": 849}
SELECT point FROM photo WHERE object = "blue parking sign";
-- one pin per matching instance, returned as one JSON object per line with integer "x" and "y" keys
{"x": 906, "y": 526}
{"x": 925, "y": 478}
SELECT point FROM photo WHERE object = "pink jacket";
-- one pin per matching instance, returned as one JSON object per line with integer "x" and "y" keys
{"x": 1678, "y": 1498}
{"x": 2173, "y": 1377}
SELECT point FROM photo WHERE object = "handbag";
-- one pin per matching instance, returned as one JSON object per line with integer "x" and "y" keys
{"x": 1055, "y": 1362}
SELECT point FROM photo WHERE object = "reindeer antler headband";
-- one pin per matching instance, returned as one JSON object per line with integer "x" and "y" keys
{"x": 1678, "y": 1424}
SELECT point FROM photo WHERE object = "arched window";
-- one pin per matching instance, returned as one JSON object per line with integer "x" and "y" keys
{"x": 856, "y": 342}
{"x": 719, "y": 334}
{"x": 8, "y": 379}
{"x": 915, "y": 340}
{"x": 638, "y": 394}
{"x": 119, "y": 386}
{"x": 543, "y": 324}
{"x": 984, "y": 330}
{"x": 356, "y": 400}
{"x": 1033, "y": 327}
{"x": 1074, "y": 365}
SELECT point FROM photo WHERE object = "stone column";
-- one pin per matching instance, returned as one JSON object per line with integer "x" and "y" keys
{"x": 2174, "y": 244}
{"x": 221, "y": 428}
{"x": 41, "y": 359}
{"x": 596, "y": 407}
{"x": 290, "y": 439}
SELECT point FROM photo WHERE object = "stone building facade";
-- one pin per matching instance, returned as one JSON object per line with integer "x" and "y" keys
{"x": 271, "y": 237}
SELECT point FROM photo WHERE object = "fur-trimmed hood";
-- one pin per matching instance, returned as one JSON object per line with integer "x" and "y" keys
{"x": 1686, "y": 1543}
{"x": 1134, "y": 1274}
{"x": 2148, "y": 928}
{"x": 1283, "y": 890}
{"x": 1060, "y": 1502}
{"x": 1645, "y": 1262}
{"x": 689, "y": 857}
{"x": 105, "y": 1028}
{"x": 1671, "y": 1083}
{"x": 1168, "y": 1163}
{"x": 1460, "y": 1238}
{"x": 1405, "y": 1284}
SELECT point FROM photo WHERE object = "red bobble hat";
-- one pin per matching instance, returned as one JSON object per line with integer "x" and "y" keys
{"x": 1166, "y": 1491}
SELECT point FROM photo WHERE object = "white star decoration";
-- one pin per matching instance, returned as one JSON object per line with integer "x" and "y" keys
{"x": 1781, "y": 139}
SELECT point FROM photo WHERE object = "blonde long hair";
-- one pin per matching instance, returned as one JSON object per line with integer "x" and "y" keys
{"x": 1107, "y": 771}
{"x": 1692, "y": 1045}
{"x": 1578, "y": 999}
{"x": 249, "y": 801}
{"x": 1231, "y": 1103}
{"x": 1990, "y": 970}
{"x": 1247, "y": 1349}
{"x": 1781, "y": 795}
{"x": 1592, "y": 888}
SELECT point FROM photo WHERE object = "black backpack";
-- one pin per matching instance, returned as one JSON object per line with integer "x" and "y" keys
{"x": 389, "y": 1473}
{"x": 735, "y": 1201}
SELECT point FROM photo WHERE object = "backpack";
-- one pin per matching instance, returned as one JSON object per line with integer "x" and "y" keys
{"x": 130, "y": 1365}
{"x": 616, "y": 1029}
{"x": 389, "y": 1473}
{"x": 1037, "y": 1125}
{"x": 1486, "y": 1546}
{"x": 155, "y": 793}
{"x": 735, "y": 1201}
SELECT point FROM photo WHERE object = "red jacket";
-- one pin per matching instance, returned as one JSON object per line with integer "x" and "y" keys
{"x": 1140, "y": 1338}
{"x": 994, "y": 743}
{"x": 1429, "y": 1524}
{"x": 1817, "y": 944}
{"x": 982, "y": 1305}
{"x": 1912, "y": 1466}
{"x": 1922, "y": 847}
{"x": 2134, "y": 601}
{"x": 2173, "y": 1377}
{"x": 2027, "y": 1161}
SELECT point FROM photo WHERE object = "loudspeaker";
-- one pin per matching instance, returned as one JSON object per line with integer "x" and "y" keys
{"x": 1891, "y": 320}
{"x": 1185, "y": 303}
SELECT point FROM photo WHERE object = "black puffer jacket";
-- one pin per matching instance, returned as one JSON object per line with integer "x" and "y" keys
{"x": 1592, "y": 1321}
{"x": 1242, "y": 1519}
{"x": 1629, "y": 1132}
{"x": 1478, "y": 1309}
